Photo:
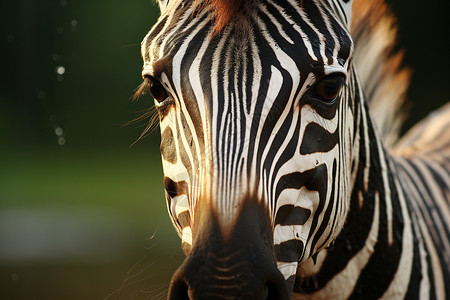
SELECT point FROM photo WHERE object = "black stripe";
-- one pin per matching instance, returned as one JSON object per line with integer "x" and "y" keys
{"x": 317, "y": 139}
{"x": 175, "y": 188}
{"x": 184, "y": 219}
{"x": 288, "y": 251}
{"x": 292, "y": 215}
{"x": 168, "y": 149}
{"x": 326, "y": 216}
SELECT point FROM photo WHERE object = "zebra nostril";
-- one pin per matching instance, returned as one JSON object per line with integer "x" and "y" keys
{"x": 178, "y": 289}
{"x": 273, "y": 291}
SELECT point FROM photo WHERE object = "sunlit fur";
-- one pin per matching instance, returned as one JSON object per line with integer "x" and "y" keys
{"x": 383, "y": 78}
{"x": 240, "y": 123}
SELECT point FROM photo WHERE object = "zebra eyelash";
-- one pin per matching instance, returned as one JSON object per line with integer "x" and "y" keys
{"x": 142, "y": 89}
{"x": 149, "y": 117}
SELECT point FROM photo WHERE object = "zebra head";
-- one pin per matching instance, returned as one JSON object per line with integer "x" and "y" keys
{"x": 256, "y": 114}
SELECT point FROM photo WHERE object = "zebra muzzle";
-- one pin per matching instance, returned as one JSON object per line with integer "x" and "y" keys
{"x": 240, "y": 266}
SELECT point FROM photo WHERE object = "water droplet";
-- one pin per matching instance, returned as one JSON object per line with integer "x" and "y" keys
{"x": 58, "y": 131}
{"x": 59, "y": 30}
{"x": 63, "y": 3}
{"x": 14, "y": 276}
{"x": 61, "y": 141}
{"x": 74, "y": 24}
{"x": 60, "y": 70}
{"x": 41, "y": 95}
{"x": 52, "y": 118}
{"x": 55, "y": 57}
{"x": 10, "y": 38}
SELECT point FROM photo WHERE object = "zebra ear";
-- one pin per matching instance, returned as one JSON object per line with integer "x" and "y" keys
{"x": 163, "y": 5}
{"x": 343, "y": 10}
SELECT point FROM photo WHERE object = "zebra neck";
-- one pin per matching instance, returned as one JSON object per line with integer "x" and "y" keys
{"x": 376, "y": 243}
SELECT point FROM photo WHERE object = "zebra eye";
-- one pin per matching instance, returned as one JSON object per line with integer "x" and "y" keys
{"x": 157, "y": 90}
{"x": 329, "y": 87}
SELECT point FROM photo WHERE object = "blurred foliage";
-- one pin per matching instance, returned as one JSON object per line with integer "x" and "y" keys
{"x": 69, "y": 69}
{"x": 98, "y": 44}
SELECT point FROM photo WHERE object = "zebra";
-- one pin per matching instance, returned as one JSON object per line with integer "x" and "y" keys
{"x": 277, "y": 180}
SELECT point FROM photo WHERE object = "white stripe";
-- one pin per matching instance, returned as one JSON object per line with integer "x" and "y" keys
{"x": 424, "y": 291}
{"x": 337, "y": 44}
{"x": 305, "y": 38}
{"x": 186, "y": 235}
{"x": 439, "y": 283}
{"x": 215, "y": 71}
{"x": 342, "y": 284}
{"x": 181, "y": 204}
{"x": 387, "y": 190}
{"x": 277, "y": 24}
{"x": 194, "y": 187}
{"x": 283, "y": 233}
{"x": 399, "y": 285}
{"x": 287, "y": 268}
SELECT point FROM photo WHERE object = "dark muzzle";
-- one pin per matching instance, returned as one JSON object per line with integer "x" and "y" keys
{"x": 241, "y": 266}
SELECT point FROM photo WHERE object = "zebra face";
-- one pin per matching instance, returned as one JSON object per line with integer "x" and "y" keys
{"x": 256, "y": 135}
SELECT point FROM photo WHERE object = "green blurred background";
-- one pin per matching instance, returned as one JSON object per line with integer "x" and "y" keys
{"x": 82, "y": 210}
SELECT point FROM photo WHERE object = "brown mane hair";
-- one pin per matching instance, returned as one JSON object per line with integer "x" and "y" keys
{"x": 223, "y": 10}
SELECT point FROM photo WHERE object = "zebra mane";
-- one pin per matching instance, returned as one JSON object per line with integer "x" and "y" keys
{"x": 225, "y": 10}
{"x": 383, "y": 78}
